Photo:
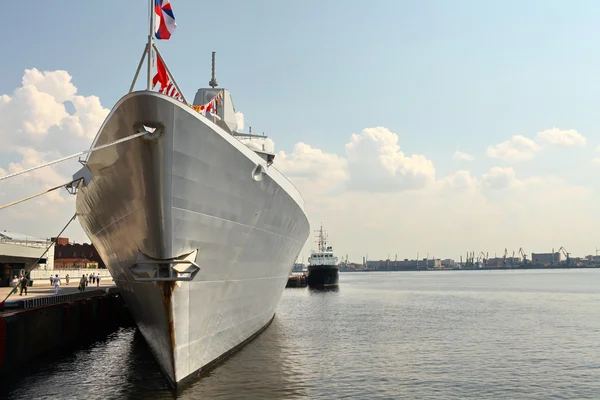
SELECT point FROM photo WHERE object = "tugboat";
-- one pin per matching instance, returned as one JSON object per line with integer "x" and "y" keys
{"x": 323, "y": 269}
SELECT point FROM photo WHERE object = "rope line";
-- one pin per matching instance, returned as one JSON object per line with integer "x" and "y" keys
{"x": 136, "y": 135}
{"x": 38, "y": 194}
{"x": 42, "y": 256}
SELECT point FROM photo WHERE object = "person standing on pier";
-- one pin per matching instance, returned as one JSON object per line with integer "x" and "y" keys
{"x": 98, "y": 280}
{"x": 82, "y": 283}
{"x": 23, "y": 284}
{"x": 15, "y": 284}
{"x": 67, "y": 279}
{"x": 56, "y": 284}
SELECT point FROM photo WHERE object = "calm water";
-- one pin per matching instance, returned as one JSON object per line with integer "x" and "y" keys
{"x": 426, "y": 335}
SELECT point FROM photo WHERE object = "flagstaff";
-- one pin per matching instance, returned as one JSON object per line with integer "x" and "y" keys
{"x": 150, "y": 45}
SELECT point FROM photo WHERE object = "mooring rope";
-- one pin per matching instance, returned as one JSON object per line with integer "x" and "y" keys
{"x": 42, "y": 256}
{"x": 27, "y": 271}
{"x": 75, "y": 155}
{"x": 39, "y": 194}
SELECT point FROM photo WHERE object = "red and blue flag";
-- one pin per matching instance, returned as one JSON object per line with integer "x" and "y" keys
{"x": 164, "y": 20}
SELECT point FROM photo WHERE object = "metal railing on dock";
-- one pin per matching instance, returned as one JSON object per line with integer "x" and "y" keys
{"x": 57, "y": 299}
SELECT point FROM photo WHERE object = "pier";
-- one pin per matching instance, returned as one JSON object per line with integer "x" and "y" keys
{"x": 41, "y": 322}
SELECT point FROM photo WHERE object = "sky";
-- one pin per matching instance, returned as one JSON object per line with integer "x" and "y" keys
{"x": 410, "y": 127}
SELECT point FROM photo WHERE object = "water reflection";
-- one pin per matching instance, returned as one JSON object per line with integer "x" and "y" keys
{"x": 525, "y": 335}
{"x": 122, "y": 367}
{"x": 262, "y": 370}
{"x": 323, "y": 289}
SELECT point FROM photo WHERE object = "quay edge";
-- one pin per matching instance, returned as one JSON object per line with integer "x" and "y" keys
{"x": 29, "y": 333}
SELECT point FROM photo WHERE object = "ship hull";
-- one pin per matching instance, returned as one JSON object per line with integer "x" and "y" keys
{"x": 323, "y": 275}
{"x": 189, "y": 190}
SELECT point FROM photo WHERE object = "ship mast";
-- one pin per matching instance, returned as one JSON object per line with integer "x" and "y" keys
{"x": 213, "y": 81}
{"x": 321, "y": 240}
{"x": 149, "y": 50}
{"x": 150, "y": 45}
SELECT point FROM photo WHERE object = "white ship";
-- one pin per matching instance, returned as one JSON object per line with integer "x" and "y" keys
{"x": 197, "y": 228}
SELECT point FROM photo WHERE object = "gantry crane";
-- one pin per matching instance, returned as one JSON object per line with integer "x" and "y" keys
{"x": 512, "y": 260}
{"x": 566, "y": 253}
{"x": 470, "y": 262}
{"x": 480, "y": 257}
{"x": 522, "y": 253}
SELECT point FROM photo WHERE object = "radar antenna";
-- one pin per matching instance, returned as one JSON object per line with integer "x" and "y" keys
{"x": 213, "y": 81}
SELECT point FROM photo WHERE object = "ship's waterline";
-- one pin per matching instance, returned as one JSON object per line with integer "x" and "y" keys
{"x": 191, "y": 198}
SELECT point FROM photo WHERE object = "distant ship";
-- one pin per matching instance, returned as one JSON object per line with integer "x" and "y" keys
{"x": 196, "y": 226}
{"x": 323, "y": 268}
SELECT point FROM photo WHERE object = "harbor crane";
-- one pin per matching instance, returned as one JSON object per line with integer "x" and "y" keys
{"x": 470, "y": 262}
{"x": 566, "y": 253}
{"x": 481, "y": 257}
{"x": 522, "y": 254}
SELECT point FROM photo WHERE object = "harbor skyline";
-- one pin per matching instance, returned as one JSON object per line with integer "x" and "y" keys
{"x": 475, "y": 134}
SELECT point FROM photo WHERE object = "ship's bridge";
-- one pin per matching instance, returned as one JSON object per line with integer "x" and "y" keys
{"x": 225, "y": 110}
{"x": 226, "y": 119}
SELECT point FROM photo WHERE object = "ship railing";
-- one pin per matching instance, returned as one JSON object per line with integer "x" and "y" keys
{"x": 27, "y": 243}
{"x": 57, "y": 299}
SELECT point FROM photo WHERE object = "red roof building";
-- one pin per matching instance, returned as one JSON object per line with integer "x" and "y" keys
{"x": 63, "y": 250}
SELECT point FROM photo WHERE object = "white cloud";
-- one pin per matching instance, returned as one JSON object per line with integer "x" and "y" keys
{"x": 460, "y": 156}
{"x": 37, "y": 128}
{"x": 372, "y": 196}
{"x": 501, "y": 178}
{"x": 458, "y": 212}
{"x": 565, "y": 138}
{"x": 460, "y": 181}
{"x": 517, "y": 148}
{"x": 375, "y": 163}
{"x": 521, "y": 148}
{"x": 57, "y": 84}
{"x": 312, "y": 170}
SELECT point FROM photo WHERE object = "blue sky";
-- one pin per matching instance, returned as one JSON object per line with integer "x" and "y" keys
{"x": 456, "y": 72}
{"x": 439, "y": 74}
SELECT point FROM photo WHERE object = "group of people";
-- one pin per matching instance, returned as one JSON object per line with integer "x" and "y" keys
{"x": 20, "y": 282}
{"x": 86, "y": 279}
{"x": 83, "y": 282}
